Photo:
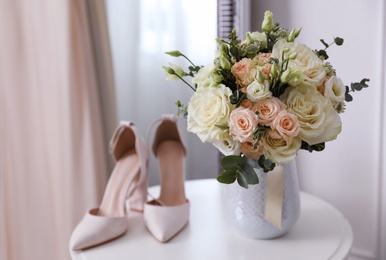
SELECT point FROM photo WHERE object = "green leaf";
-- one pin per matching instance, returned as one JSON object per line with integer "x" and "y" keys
{"x": 229, "y": 79}
{"x": 266, "y": 164}
{"x": 234, "y": 51}
{"x": 223, "y": 126}
{"x": 324, "y": 43}
{"x": 273, "y": 60}
{"x": 259, "y": 133}
{"x": 242, "y": 181}
{"x": 323, "y": 53}
{"x": 249, "y": 174}
{"x": 363, "y": 82}
{"x": 227, "y": 177}
{"x": 233, "y": 162}
{"x": 316, "y": 147}
{"x": 348, "y": 97}
{"x": 338, "y": 41}
{"x": 356, "y": 86}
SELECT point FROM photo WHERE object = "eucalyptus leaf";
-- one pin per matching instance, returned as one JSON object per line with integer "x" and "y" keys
{"x": 249, "y": 173}
{"x": 316, "y": 147}
{"x": 266, "y": 164}
{"x": 324, "y": 43}
{"x": 323, "y": 53}
{"x": 363, "y": 82}
{"x": 338, "y": 41}
{"x": 233, "y": 162}
{"x": 242, "y": 181}
{"x": 227, "y": 177}
{"x": 348, "y": 97}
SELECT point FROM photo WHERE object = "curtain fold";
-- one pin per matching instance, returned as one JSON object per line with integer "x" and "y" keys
{"x": 57, "y": 111}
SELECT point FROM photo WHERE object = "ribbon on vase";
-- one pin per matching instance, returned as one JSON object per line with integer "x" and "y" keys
{"x": 274, "y": 196}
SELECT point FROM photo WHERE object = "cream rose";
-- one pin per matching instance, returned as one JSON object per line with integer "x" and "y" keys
{"x": 250, "y": 152}
{"x": 244, "y": 72}
{"x": 242, "y": 122}
{"x": 257, "y": 91}
{"x": 225, "y": 143}
{"x": 306, "y": 61}
{"x": 334, "y": 90}
{"x": 207, "y": 108}
{"x": 319, "y": 122}
{"x": 268, "y": 109}
{"x": 279, "y": 150}
{"x": 287, "y": 125}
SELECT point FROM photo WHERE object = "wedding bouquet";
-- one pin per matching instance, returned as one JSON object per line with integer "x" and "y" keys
{"x": 263, "y": 99}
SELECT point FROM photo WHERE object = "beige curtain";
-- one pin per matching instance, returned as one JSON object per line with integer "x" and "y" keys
{"x": 56, "y": 112}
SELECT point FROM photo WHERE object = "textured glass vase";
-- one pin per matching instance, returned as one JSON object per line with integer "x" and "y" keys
{"x": 244, "y": 208}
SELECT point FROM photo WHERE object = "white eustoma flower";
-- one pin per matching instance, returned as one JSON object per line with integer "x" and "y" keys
{"x": 258, "y": 91}
{"x": 203, "y": 77}
{"x": 334, "y": 90}
{"x": 226, "y": 144}
{"x": 176, "y": 70}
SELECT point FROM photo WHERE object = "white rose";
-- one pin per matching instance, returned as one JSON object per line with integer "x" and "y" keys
{"x": 334, "y": 90}
{"x": 207, "y": 108}
{"x": 225, "y": 143}
{"x": 258, "y": 91}
{"x": 319, "y": 121}
{"x": 279, "y": 150}
{"x": 306, "y": 61}
{"x": 203, "y": 78}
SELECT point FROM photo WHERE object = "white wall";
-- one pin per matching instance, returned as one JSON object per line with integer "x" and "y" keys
{"x": 350, "y": 172}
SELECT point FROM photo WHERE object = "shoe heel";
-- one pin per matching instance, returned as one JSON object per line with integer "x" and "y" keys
{"x": 137, "y": 194}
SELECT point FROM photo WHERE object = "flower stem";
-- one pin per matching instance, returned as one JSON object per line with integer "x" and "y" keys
{"x": 188, "y": 59}
{"x": 185, "y": 82}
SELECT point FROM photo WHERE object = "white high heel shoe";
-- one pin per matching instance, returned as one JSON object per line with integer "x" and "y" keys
{"x": 128, "y": 180}
{"x": 166, "y": 216}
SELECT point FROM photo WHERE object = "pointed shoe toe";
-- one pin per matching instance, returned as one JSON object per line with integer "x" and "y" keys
{"x": 164, "y": 222}
{"x": 94, "y": 230}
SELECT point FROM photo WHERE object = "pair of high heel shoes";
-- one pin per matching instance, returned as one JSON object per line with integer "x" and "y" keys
{"x": 165, "y": 216}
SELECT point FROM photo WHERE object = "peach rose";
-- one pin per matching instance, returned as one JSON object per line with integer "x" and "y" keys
{"x": 268, "y": 110}
{"x": 247, "y": 104}
{"x": 262, "y": 58}
{"x": 287, "y": 125}
{"x": 266, "y": 69}
{"x": 244, "y": 72}
{"x": 242, "y": 122}
{"x": 247, "y": 149}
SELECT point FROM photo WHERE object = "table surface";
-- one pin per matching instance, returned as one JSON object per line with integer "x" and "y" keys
{"x": 320, "y": 233}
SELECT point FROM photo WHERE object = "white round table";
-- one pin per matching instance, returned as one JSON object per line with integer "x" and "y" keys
{"x": 320, "y": 233}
